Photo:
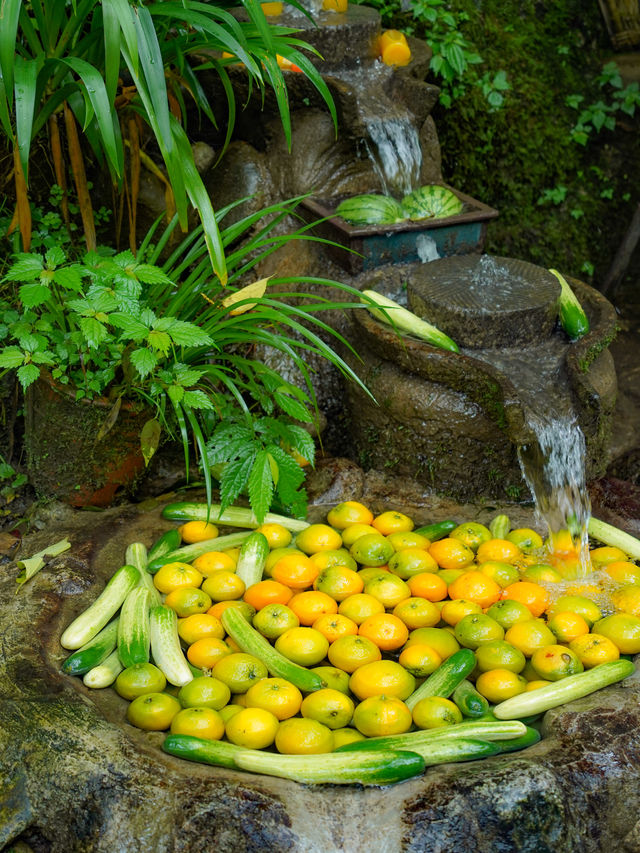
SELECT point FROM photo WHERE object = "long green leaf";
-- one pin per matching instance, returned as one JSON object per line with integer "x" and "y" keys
{"x": 122, "y": 11}
{"x": 9, "y": 15}
{"x": 26, "y": 74}
{"x": 202, "y": 448}
{"x": 112, "y": 59}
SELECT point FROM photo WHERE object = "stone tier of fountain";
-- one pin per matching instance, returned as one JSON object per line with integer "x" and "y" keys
{"x": 455, "y": 421}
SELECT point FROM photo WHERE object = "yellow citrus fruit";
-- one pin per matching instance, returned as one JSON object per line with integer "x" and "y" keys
{"x": 623, "y": 572}
{"x": 580, "y": 604}
{"x": 188, "y": 600}
{"x": 197, "y": 531}
{"x": 354, "y": 531}
{"x": 138, "y": 679}
{"x": 295, "y": 570}
{"x": 318, "y": 537}
{"x": 498, "y": 549}
{"x": 377, "y": 716}
{"x": 529, "y": 636}
{"x": 417, "y": 613}
{"x": 277, "y": 695}
{"x": 333, "y": 677}
{"x": 567, "y": 626}
{"x": 199, "y": 625}
{"x": 627, "y": 599}
{"x": 471, "y": 533}
{"x": 335, "y": 625}
{"x": 605, "y": 555}
{"x": 207, "y": 651}
{"x": 330, "y": 707}
{"x": 501, "y": 573}
{"x": 339, "y": 582}
{"x": 204, "y": 691}
{"x": 348, "y": 653}
{"x": 434, "y": 712}
{"x": 266, "y": 592}
{"x": 372, "y": 549}
{"x": 392, "y": 522}
{"x": 526, "y": 539}
{"x": 277, "y": 554}
{"x": 388, "y": 589}
{"x": 594, "y": 649}
{"x": 346, "y": 735}
{"x": 276, "y": 535}
{"x": 304, "y": 646}
{"x": 475, "y": 629}
{"x": 311, "y": 604}
{"x": 444, "y": 642}
{"x": 360, "y": 606}
{"x": 451, "y": 554}
{"x": 541, "y": 573}
{"x": 387, "y": 631}
{"x": 555, "y": 662}
{"x": 420, "y": 660}
{"x": 239, "y": 671}
{"x": 214, "y": 561}
{"x": 253, "y": 728}
{"x": 475, "y": 586}
{"x": 274, "y": 619}
{"x": 500, "y": 655}
{"x": 507, "y": 612}
{"x": 408, "y": 539}
{"x": 496, "y": 685}
{"x": 153, "y": 712}
{"x": 174, "y": 575}
{"x": 532, "y": 595}
{"x": 537, "y": 684}
{"x": 223, "y": 586}
{"x": 411, "y": 561}
{"x": 198, "y": 722}
{"x": 330, "y": 559}
{"x": 623, "y": 630}
{"x": 348, "y": 513}
{"x": 428, "y": 585}
{"x": 453, "y": 611}
{"x": 302, "y": 736}
{"x": 382, "y": 678}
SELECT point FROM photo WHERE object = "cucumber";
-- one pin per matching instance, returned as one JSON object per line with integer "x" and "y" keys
{"x": 105, "y": 673}
{"x": 137, "y": 556}
{"x": 106, "y": 605}
{"x": 434, "y": 751}
{"x": 94, "y": 652}
{"x": 421, "y": 741}
{"x": 571, "y": 314}
{"x": 165, "y": 646}
{"x": 529, "y": 738}
{"x": 169, "y": 541}
{"x": 566, "y": 690}
{"x": 500, "y": 526}
{"x": 366, "y": 768}
{"x": 253, "y": 643}
{"x": 446, "y": 678}
{"x": 436, "y": 531}
{"x": 133, "y": 628}
{"x": 188, "y": 553}
{"x": 234, "y": 516}
{"x": 390, "y": 312}
{"x": 470, "y": 702}
{"x": 610, "y": 535}
{"x": 252, "y": 559}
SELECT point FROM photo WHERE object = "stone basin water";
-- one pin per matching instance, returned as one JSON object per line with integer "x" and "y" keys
{"x": 76, "y": 778}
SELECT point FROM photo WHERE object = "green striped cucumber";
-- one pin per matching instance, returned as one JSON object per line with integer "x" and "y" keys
{"x": 94, "y": 652}
{"x": 188, "y": 553}
{"x": 436, "y": 531}
{"x": 133, "y": 628}
{"x": 137, "y": 556}
{"x": 365, "y": 768}
{"x": 94, "y": 618}
{"x": 420, "y": 741}
{"x": 470, "y": 702}
{"x": 253, "y": 643}
{"x": 572, "y": 317}
{"x": 431, "y": 202}
{"x": 446, "y": 678}
{"x": 252, "y": 558}
{"x": 566, "y": 690}
{"x": 371, "y": 209}
{"x": 434, "y": 751}
{"x": 234, "y": 516}
{"x": 529, "y": 738}
{"x": 105, "y": 673}
{"x": 165, "y": 544}
{"x": 165, "y": 646}
{"x": 393, "y": 314}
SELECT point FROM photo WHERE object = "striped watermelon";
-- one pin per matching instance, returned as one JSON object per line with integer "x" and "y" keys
{"x": 431, "y": 202}
{"x": 371, "y": 209}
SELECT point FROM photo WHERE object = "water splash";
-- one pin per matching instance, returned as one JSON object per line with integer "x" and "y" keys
{"x": 426, "y": 248}
{"x": 396, "y": 155}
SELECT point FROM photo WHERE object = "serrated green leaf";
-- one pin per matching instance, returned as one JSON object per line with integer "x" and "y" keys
{"x": 159, "y": 341}
{"x": 69, "y": 278}
{"x": 27, "y": 268}
{"x": 27, "y": 375}
{"x": 144, "y": 361}
{"x": 130, "y": 326}
{"x": 260, "y": 484}
{"x": 148, "y": 274}
{"x": 188, "y": 334}
{"x": 293, "y": 408}
{"x": 234, "y": 479}
{"x": 302, "y": 442}
{"x": 11, "y": 357}
{"x": 34, "y": 294}
{"x": 93, "y": 330}
{"x": 150, "y": 439}
{"x": 196, "y": 399}
{"x": 54, "y": 257}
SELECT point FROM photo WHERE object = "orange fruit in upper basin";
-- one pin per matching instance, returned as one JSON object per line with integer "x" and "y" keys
{"x": 265, "y": 592}
{"x": 387, "y": 631}
{"x": 556, "y": 662}
{"x": 606, "y": 555}
{"x": 567, "y": 626}
{"x": 392, "y": 522}
{"x": 428, "y": 585}
{"x": 623, "y": 630}
{"x": 623, "y": 572}
{"x": 417, "y": 612}
{"x": 197, "y": 531}
{"x": 475, "y": 586}
{"x": 382, "y": 678}
{"x": 594, "y": 649}
{"x": 530, "y": 636}
{"x": 295, "y": 571}
{"x": 334, "y": 625}
{"x": 214, "y": 561}
{"x": 627, "y": 599}
{"x": 498, "y": 549}
{"x": 541, "y": 573}
{"x": 200, "y": 625}
{"x": 532, "y": 595}
{"x": 502, "y": 573}
{"x": 276, "y": 695}
{"x": 310, "y": 605}
{"x": 453, "y": 611}
{"x": 318, "y": 537}
{"x": 451, "y": 554}
{"x": 587, "y": 608}
{"x": 348, "y": 513}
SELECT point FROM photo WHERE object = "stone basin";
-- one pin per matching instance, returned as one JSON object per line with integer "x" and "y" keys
{"x": 74, "y": 776}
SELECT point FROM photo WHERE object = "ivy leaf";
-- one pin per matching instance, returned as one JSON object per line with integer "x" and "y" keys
{"x": 26, "y": 268}
{"x": 34, "y": 294}
{"x": 261, "y": 485}
{"x": 27, "y": 375}
{"x": 144, "y": 361}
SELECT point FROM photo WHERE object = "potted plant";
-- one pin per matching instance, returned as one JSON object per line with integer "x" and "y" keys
{"x": 163, "y": 347}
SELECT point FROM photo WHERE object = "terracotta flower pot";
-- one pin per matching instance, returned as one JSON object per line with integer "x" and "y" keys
{"x": 67, "y": 460}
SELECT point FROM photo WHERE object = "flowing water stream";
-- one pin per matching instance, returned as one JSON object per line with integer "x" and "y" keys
{"x": 394, "y": 148}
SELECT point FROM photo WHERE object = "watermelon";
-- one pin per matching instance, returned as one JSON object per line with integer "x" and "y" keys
{"x": 371, "y": 209}
{"x": 431, "y": 202}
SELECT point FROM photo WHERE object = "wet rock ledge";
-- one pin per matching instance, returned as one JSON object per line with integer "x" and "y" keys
{"x": 75, "y": 777}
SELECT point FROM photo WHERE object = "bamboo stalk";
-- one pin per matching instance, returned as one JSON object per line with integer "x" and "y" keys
{"x": 80, "y": 178}
{"x": 22, "y": 200}
{"x": 58, "y": 166}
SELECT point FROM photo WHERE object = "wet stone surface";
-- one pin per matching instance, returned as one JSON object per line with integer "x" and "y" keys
{"x": 74, "y": 776}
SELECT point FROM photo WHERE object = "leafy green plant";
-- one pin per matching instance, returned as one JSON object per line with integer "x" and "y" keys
{"x": 10, "y": 480}
{"x": 109, "y": 71}
{"x": 169, "y": 335}
{"x": 602, "y": 114}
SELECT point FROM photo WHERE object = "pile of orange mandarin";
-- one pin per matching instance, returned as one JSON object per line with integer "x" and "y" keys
{"x": 374, "y": 607}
